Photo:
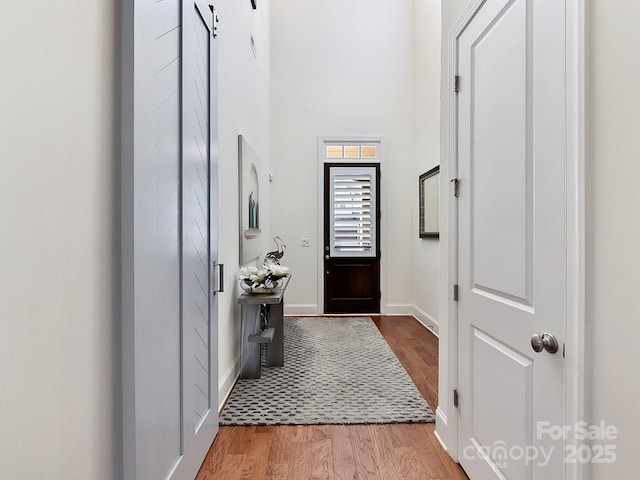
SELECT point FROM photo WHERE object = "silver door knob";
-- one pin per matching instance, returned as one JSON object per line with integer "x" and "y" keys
{"x": 327, "y": 257}
{"x": 546, "y": 341}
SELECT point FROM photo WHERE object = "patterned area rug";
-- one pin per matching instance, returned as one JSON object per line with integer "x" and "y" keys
{"x": 336, "y": 371}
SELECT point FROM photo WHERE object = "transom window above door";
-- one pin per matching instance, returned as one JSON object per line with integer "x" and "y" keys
{"x": 350, "y": 151}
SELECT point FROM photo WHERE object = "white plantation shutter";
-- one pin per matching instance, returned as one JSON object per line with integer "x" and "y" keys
{"x": 352, "y": 200}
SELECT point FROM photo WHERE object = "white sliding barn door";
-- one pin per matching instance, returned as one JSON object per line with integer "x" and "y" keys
{"x": 512, "y": 239}
{"x": 169, "y": 232}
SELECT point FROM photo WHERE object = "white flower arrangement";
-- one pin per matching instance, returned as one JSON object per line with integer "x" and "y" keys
{"x": 262, "y": 279}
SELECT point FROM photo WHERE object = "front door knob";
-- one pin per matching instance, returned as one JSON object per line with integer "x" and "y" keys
{"x": 546, "y": 341}
{"x": 327, "y": 257}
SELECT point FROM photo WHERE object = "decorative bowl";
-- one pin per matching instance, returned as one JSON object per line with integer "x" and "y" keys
{"x": 260, "y": 289}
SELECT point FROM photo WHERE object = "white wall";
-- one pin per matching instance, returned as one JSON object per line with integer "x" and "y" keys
{"x": 342, "y": 68}
{"x": 614, "y": 154}
{"x": 613, "y": 236}
{"x": 426, "y": 64}
{"x": 244, "y": 109}
{"x": 57, "y": 204}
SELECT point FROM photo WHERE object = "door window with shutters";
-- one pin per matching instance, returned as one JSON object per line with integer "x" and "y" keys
{"x": 352, "y": 205}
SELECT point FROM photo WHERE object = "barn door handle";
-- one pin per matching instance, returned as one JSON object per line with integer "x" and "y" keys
{"x": 220, "y": 287}
{"x": 546, "y": 341}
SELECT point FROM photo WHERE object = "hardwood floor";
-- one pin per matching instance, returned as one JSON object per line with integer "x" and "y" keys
{"x": 340, "y": 452}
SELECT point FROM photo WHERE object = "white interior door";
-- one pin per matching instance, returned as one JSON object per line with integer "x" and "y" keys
{"x": 512, "y": 238}
{"x": 169, "y": 238}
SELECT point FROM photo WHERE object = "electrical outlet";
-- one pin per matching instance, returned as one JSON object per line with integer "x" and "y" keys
{"x": 306, "y": 242}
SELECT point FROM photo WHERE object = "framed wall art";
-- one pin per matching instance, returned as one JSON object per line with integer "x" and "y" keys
{"x": 249, "y": 167}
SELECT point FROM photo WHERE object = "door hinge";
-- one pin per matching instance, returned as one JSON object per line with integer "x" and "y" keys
{"x": 456, "y": 83}
{"x": 455, "y": 292}
{"x": 455, "y": 398}
{"x": 456, "y": 187}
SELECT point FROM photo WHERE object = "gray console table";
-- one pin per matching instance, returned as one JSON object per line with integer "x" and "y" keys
{"x": 253, "y": 337}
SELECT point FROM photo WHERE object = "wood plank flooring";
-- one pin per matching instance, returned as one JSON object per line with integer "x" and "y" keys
{"x": 345, "y": 452}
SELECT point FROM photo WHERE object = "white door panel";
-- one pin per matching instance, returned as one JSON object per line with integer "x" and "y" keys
{"x": 199, "y": 307}
{"x": 512, "y": 238}
{"x": 501, "y": 258}
{"x": 150, "y": 246}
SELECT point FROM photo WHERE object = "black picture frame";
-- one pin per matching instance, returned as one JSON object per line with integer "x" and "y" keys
{"x": 428, "y": 203}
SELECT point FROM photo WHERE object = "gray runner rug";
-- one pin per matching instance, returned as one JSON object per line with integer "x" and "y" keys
{"x": 336, "y": 371}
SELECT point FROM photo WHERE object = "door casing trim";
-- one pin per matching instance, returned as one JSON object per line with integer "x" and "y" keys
{"x": 577, "y": 365}
{"x": 323, "y": 141}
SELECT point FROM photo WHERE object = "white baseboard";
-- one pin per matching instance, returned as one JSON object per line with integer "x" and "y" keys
{"x": 227, "y": 382}
{"x": 443, "y": 433}
{"x": 301, "y": 309}
{"x": 427, "y": 320}
{"x": 393, "y": 309}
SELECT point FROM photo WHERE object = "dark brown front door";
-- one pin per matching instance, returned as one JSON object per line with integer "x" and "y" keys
{"x": 351, "y": 238}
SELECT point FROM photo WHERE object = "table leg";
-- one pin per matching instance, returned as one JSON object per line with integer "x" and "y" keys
{"x": 250, "y": 351}
{"x": 275, "y": 349}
